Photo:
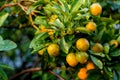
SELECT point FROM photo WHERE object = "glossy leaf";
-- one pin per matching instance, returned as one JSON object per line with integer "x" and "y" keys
{"x": 97, "y": 62}
{"x": 8, "y": 45}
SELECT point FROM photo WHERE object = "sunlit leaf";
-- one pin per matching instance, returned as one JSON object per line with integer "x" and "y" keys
{"x": 3, "y": 17}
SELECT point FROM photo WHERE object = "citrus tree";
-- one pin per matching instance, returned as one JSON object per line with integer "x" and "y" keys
{"x": 74, "y": 39}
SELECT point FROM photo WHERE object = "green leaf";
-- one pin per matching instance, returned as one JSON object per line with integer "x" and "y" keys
{"x": 8, "y": 45}
{"x": 115, "y": 53}
{"x": 97, "y": 62}
{"x": 99, "y": 36}
{"x": 3, "y": 75}
{"x": 3, "y": 17}
{"x": 64, "y": 45}
{"x": 34, "y": 6}
{"x": 83, "y": 30}
{"x": 58, "y": 24}
{"x": 1, "y": 40}
{"x": 97, "y": 54}
{"x": 40, "y": 20}
{"x": 39, "y": 41}
{"x": 5, "y": 66}
{"x": 64, "y": 6}
{"x": 76, "y": 5}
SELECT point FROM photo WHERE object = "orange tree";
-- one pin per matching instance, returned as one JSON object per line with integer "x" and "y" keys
{"x": 74, "y": 39}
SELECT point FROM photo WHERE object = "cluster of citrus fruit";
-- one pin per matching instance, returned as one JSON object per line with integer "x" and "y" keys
{"x": 82, "y": 45}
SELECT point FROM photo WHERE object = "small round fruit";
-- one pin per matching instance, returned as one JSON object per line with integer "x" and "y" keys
{"x": 97, "y": 47}
{"x": 91, "y": 26}
{"x": 90, "y": 65}
{"x": 71, "y": 59}
{"x": 82, "y": 57}
{"x": 82, "y": 44}
{"x": 53, "y": 49}
{"x": 114, "y": 42}
{"x": 82, "y": 74}
{"x": 95, "y": 9}
{"x": 41, "y": 52}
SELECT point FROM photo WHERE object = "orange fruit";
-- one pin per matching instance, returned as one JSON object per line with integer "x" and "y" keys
{"x": 71, "y": 59}
{"x": 114, "y": 42}
{"x": 41, "y": 52}
{"x": 82, "y": 57}
{"x": 90, "y": 65}
{"x": 91, "y": 26}
{"x": 97, "y": 47}
{"x": 82, "y": 44}
{"x": 82, "y": 74}
{"x": 53, "y": 49}
{"x": 95, "y": 9}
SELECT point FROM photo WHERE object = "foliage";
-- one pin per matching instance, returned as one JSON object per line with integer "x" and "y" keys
{"x": 60, "y": 22}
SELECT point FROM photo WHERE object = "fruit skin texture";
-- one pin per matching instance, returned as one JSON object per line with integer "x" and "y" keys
{"x": 95, "y": 9}
{"x": 71, "y": 59}
{"x": 82, "y": 57}
{"x": 82, "y": 44}
{"x": 90, "y": 65}
{"x": 91, "y": 26}
{"x": 82, "y": 74}
{"x": 97, "y": 48}
{"x": 53, "y": 49}
{"x": 114, "y": 42}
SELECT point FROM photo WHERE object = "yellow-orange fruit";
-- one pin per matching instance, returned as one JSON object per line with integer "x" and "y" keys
{"x": 95, "y": 9}
{"x": 82, "y": 44}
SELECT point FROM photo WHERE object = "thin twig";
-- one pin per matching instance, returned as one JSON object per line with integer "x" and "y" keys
{"x": 25, "y": 71}
{"x": 7, "y": 5}
{"x": 32, "y": 23}
{"x": 56, "y": 75}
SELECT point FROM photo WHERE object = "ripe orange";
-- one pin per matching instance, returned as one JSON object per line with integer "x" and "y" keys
{"x": 71, "y": 59}
{"x": 95, "y": 9}
{"x": 114, "y": 42}
{"x": 91, "y": 26}
{"x": 97, "y": 47}
{"x": 90, "y": 65}
{"x": 82, "y": 57}
{"x": 53, "y": 49}
{"x": 82, "y": 44}
{"x": 82, "y": 74}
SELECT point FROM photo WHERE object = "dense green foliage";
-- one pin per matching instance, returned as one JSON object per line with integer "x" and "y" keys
{"x": 27, "y": 26}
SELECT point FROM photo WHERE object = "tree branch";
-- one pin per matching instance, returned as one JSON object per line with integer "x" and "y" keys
{"x": 56, "y": 75}
{"x": 33, "y": 70}
{"x": 8, "y": 5}
{"x": 25, "y": 71}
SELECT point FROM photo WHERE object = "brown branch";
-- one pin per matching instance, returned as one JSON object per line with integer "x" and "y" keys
{"x": 56, "y": 75}
{"x": 25, "y": 71}
{"x": 32, "y": 23}
{"x": 8, "y": 5}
